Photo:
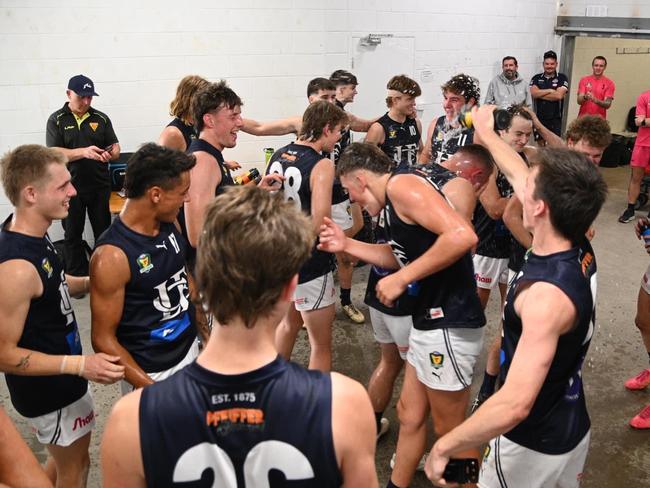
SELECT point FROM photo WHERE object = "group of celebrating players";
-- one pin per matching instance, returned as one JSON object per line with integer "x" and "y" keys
{"x": 200, "y": 287}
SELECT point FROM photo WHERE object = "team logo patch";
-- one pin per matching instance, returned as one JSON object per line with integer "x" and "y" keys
{"x": 392, "y": 134}
{"x": 47, "y": 267}
{"x": 436, "y": 359}
{"x": 94, "y": 125}
{"x": 144, "y": 263}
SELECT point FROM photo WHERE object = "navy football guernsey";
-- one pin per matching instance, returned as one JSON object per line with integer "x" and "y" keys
{"x": 50, "y": 327}
{"x": 339, "y": 195}
{"x": 296, "y": 162}
{"x": 269, "y": 427}
{"x": 401, "y": 140}
{"x": 188, "y": 131}
{"x": 157, "y": 326}
{"x": 446, "y": 299}
{"x": 558, "y": 420}
{"x": 494, "y": 240}
{"x": 226, "y": 180}
{"x": 446, "y": 140}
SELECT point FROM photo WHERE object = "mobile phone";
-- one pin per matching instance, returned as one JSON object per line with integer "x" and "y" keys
{"x": 461, "y": 471}
{"x": 108, "y": 148}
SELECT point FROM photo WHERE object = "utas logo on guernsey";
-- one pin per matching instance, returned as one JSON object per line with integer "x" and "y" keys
{"x": 83, "y": 421}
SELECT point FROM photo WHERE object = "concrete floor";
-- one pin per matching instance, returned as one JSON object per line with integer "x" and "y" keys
{"x": 619, "y": 456}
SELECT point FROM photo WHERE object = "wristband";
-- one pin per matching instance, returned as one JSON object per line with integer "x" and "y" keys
{"x": 73, "y": 365}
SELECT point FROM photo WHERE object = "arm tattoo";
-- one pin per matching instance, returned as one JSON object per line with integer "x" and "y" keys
{"x": 24, "y": 362}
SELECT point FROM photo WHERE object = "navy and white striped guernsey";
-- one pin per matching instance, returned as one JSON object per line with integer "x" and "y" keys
{"x": 50, "y": 327}
{"x": 268, "y": 427}
{"x": 558, "y": 420}
{"x": 157, "y": 326}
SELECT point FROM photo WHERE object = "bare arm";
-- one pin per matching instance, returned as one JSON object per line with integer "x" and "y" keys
{"x": 18, "y": 466}
{"x": 15, "y": 297}
{"x": 358, "y": 124}
{"x": 375, "y": 134}
{"x": 513, "y": 218}
{"x": 172, "y": 138}
{"x": 354, "y": 432}
{"x": 332, "y": 239}
{"x": 555, "y": 95}
{"x": 321, "y": 181}
{"x": 546, "y": 313}
{"x": 205, "y": 177}
{"x": 280, "y": 127}
{"x": 121, "y": 454}
{"x": 552, "y": 139}
{"x": 425, "y": 155}
{"x": 417, "y": 202}
{"x": 508, "y": 161}
{"x": 461, "y": 195}
{"x": 537, "y": 92}
{"x": 78, "y": 285}
{"x": 110, "y": 273}
{"x": 492, "y": 201}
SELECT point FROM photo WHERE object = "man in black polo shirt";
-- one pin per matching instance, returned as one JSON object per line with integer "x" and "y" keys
{"x": 86, "y": 138}
{"x": 548, "y": 90}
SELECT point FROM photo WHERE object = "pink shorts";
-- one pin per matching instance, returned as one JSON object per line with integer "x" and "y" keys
{"x": 640, "y": 156}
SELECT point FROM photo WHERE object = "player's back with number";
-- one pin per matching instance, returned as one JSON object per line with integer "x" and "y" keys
{"x": 295, "y": 162}
{"x": 268, "y": 424}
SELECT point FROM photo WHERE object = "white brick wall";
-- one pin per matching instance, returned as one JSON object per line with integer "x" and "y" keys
{"x": 267, "y": 49}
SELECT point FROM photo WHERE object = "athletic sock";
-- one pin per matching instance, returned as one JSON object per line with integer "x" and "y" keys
{"x": 488, "y": 385}
{"x": 378, "y": 416}
{"x": 630, "y": 206}
{"x": 345, "y": 296}
{"x": 648, "y": 355}
{"x": 391, "y": 484}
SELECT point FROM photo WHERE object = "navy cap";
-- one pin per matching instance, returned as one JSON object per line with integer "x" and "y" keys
{"x": 550, "y": 54}
{"x": 82, "y": 86}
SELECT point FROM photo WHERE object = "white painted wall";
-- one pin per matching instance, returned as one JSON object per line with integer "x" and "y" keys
{"x": 136, "y": 51}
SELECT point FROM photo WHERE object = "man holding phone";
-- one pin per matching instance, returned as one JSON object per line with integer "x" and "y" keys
{"x": 537, "y": 423}
{"x": 86, "y": 137}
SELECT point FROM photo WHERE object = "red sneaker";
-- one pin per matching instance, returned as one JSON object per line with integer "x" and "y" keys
{"x": 642, "y": 419}
{"x": 640, "y": 381}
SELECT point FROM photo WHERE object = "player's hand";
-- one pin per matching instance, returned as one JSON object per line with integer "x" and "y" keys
{"x": 331, "y": 237}
{"x": 434, "y": 467}
{"x": 232, "y": 165}
{"x": 483, "y": 119}
{"x": 102, "y": 368}
{"x": 389, "y": 288}
{"x": 588, "y": 96}
{"x": 271, "y": 182}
